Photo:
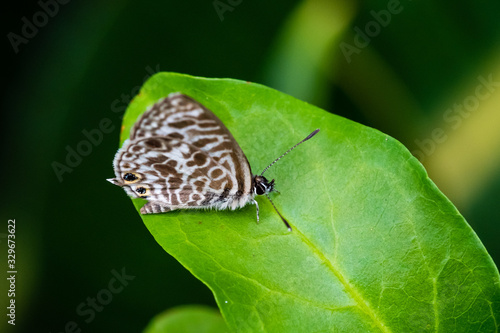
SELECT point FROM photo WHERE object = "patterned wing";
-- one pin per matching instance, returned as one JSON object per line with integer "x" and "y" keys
{"x": 180, "y": 155}
{"x": 181, "y": 117}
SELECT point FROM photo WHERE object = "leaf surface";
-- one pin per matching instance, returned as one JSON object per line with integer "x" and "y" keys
{"x": 375, "y": 246}
{"x": 188, "y": 319}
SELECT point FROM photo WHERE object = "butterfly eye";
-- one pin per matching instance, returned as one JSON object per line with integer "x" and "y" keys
{"x": 142, "y": 191}
{"x": 260, "y": 189}
{"x": 130, "y": 177}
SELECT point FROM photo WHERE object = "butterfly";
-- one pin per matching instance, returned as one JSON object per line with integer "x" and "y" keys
{"x": 181, "y": 156}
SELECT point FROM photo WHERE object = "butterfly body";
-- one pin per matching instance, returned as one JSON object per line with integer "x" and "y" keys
{"x": 181, "y": 156}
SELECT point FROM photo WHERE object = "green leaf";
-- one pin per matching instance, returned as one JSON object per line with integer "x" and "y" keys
{"x": 375, "y": 246}
{"x": 187, "y": 319}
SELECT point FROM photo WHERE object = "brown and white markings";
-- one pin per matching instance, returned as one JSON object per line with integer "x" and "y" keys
{"x": 181, "y": 156}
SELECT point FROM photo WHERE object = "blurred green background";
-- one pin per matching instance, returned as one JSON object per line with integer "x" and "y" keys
{"x": 426, "y": 73}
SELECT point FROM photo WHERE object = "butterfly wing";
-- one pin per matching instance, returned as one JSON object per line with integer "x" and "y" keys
{"x": 182, "y": 156}
{"x": 181, "y": 117}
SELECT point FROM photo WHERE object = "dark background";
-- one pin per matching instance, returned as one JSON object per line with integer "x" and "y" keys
{"x": 86, "y": 62}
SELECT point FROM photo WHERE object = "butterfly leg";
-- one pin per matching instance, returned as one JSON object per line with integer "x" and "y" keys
{"x": 257, "y": 206}
{"x": 154, "y": 207}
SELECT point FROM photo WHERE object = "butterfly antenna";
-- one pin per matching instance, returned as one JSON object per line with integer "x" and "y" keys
{"x": 282, "y": 218}
{"x": 289, "y": 150}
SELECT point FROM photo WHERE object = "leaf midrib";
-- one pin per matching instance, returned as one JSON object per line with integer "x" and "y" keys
{"x": 257, "y": 282}
{"x": 350, "y": 289}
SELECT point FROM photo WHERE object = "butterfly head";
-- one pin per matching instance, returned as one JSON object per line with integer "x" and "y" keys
{"x": 262, "y": 186}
